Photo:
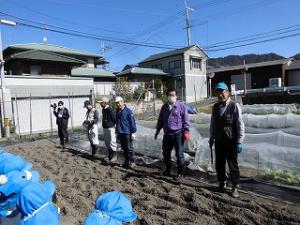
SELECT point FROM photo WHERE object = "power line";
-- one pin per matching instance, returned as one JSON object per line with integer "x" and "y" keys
{"x": 256, "y": 42}
{"x": 61, "y": 19}
{"x": 254, "y": 35}
{"x": 71, "y": 32}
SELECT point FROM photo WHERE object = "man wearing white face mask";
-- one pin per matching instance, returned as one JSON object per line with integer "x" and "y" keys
{"x": 62, "y": 117}
{"x": 174, "y": 120}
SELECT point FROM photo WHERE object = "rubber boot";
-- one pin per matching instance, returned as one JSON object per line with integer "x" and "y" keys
{"x": 131, "y": 160}
{"x": 112, "y": 155}
{"x": 126, "y": 160}
{"x": 167, "y": 171}
{"x": 94, "y": 149}
{"x": 180, "y": 170}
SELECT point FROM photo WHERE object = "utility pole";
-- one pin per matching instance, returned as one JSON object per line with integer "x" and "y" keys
{"x": 103, "y": 50}
{"x": 5, "y": 121}
{"x": 187, "y": 19}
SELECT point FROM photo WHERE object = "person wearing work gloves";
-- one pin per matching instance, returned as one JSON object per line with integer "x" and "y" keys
{"x": 90, "y": 123}
{"x": 227, "y": 132}
{"x": 62, "y": 116}
{"x": 109, "y": 132}
{"x": 35, "y": 202}
{"x": 125, "y": 128}
{"x": 11, "y": 185}
{"x": 112, "y": 208}
{"x": 174, "y": 120}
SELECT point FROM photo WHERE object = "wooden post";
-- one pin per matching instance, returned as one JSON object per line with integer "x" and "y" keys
{"x": 18, "y": 118}
{"x": 30, "y": 117}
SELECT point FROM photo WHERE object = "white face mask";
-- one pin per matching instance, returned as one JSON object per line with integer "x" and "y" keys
{"x": 172, "y": 99}
{"x": 60, "y": 107}
{"x": 89, "y": 107}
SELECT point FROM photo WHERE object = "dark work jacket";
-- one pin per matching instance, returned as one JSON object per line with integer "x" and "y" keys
{"x": 63, "y": 121}
{"x": 108, "y": 118}
{"x": 225, "y": 126}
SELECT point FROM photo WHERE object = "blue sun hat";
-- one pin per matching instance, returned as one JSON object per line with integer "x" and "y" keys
{"x": 112, "y": 208}
{"x": 12, "y": 163}
{"x": 11, "y": 185}
{"x": 5, "y": 155}
{"x": 14, "y": 181}
{"x": 221, "y": 86}
{"x": 36, "y": 206}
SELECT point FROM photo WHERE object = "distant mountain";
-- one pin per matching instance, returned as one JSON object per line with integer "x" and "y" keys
{"x": 297, "y": 56}
{"x": 233, "y": 60}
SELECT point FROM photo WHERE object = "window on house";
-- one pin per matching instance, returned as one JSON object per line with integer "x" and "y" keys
{"x": 175, "y": 64}
{"x": 35, "y": 70}
{"x": 196, "y": 63}
{"x": 157, "y": 66}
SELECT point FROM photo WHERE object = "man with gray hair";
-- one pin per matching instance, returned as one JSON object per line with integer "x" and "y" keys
{"x": 108, "y": 124}
{"x": 227, "y": 132}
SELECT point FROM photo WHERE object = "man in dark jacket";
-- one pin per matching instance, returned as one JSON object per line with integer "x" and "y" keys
{"x": 109, "y": 132}
{"x": 62, "y": 117}
{"x": 174, "y": 120}
{"x": 227, "y": 132}
{"x": 125, "y": 128}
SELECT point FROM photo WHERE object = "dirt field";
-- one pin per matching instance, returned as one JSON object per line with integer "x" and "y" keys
{"x": 156, "y": 200}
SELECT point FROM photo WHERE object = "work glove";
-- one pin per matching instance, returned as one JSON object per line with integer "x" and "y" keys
{"x": 133, "y": 137}
{"x": 156, "y": 134}
{"x": 186, "y": 135}
{"x": 211, "y": 142}
{"x": 59, "y": 115}
{"x": 239, "y": 148}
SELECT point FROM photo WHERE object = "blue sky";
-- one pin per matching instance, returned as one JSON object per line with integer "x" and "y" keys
{"x": 155, "y": 21}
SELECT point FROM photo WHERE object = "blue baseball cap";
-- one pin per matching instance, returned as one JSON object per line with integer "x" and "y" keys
{"x": 221, "y": 86}
{"x": 113, "y": 207}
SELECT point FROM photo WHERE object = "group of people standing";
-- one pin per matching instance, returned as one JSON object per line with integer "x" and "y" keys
{"x": 118, "y": 125}
{"x": 226, "y": 132}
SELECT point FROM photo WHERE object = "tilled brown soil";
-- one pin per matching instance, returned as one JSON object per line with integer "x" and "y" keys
{"x": 157, "y": 200}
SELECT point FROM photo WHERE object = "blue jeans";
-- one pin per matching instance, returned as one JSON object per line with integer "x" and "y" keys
{"x": 173, "y": 141}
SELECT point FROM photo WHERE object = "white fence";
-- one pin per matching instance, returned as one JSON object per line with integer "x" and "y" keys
{"x": 31, "y": 96}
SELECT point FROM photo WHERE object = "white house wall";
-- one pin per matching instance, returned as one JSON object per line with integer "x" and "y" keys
{"x": 43, "y": 91}
{"x": 104, "y": 88}
{"x": 41, "y": 86}
{"x": 42, "y": 114}
{"x": 195, "y": 79}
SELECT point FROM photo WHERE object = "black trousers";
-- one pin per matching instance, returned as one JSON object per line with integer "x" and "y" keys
{"x": 173, "y": 141}
{"x": 127, "y": 146}
{"x": 226, "y": 151}
{"x": 63, "y": 134}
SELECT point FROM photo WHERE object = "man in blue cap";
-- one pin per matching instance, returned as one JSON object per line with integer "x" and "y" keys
{"x": 227, "y": 132}
{"x": 112, "y": 208}
{"x": 36, "y": 206}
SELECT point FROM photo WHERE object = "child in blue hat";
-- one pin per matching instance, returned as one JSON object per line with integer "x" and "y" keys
{"x": 11, "y": 185}
{"x": 36, "y": 206}
{"x": 10, "y": 162}
{"x": 112, "y": 208}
